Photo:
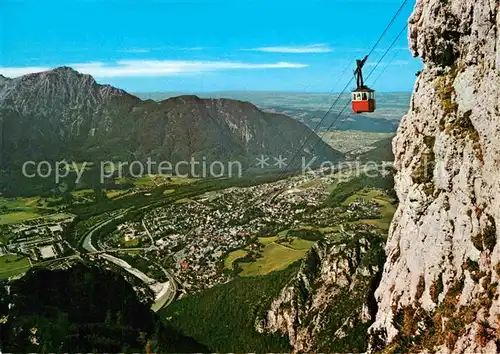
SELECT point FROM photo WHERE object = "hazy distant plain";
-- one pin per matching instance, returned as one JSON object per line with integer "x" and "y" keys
{"x": 310, "y": 108}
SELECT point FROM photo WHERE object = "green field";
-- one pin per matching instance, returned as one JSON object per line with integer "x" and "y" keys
{"x": 275, "y": 256}
{"x": 11, "y": 265}
{"x": 130, "y": 252}
{"x": 388, "y": 207}
{"x": 15, "y": 203}
{"x": 82, "y": 193}
{"x": 90, "y": 193}
{"x": 268, "y": 240}
{"x": 312, "y": 183}
{"x": 15, "y": 210}
{"x": 146, "y": 181}
{"x": 299, "y": 244}
{"x": 184, "y": 200}
{"x": 346, "y": 141}
{"x": 113, "y": 193}
{"x": 231, "y": 257}
{"x": 123, "y": 180}
{"x": 18, "y": 209}
{"x": 130, "y": 243}
{"x": 151, "y": 181}
{"x": 18, "y": 216}
{"x": 181, "y": 180}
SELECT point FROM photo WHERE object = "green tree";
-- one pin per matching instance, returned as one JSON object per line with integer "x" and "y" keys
{"x": 108, "y": 320}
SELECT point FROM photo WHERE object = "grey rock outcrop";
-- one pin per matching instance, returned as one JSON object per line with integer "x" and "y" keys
{"x": 439, "y": 289}
{"x": 328, "y": 307}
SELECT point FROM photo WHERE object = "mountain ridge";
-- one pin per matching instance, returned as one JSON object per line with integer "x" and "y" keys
{"x": 62, "y": 113}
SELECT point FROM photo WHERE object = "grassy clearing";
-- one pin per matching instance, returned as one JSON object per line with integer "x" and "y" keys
{"x": 300, "y": 244}
{"x": 18, "y": 216}
{"x": 31, "y": 202}
{"x": 123, "y": 180}
{"x": 324, "y": 230}
{"x": 19, "y": 203}
{"x": 12, "y": 203}
{"x": 331, "y": 187}
{"x": 388, "y": 208}
{"x": 181, "y": 180}
{"x": 313, "y": 183}
{"x": 283, "y": 233}
{"x": 83, "y": 193}
{"x": 129, "y": 252}
{"x": 113, "y": 193}
{"x": 57, "y": 217}
{"x": 130, "y": 243}
{"x": 268, "y": 240}
{"x": 89, "y": 193}
{"x": 146, "y": 181}
{"x": 274, "y": 258}
{"x": 152, "y": 181}
{"x": 11, "y": 265}
{"x": 184, "y": 200}
{"x": 168, "y": 191}
{"x": 329, "y": 229}
{"x": 363, "y": 194}
{"x": 16, "y": 210}
{"x": 231, "y": 257}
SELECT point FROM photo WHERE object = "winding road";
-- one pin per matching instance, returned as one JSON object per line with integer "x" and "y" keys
{"x": 164, "y": 292}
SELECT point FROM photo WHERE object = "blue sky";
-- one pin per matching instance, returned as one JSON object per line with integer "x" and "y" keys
{"x": 207, "y": 45}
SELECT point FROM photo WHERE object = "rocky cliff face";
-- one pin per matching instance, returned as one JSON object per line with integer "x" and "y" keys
{"x": 439, "y": 288}
{"x": 329, "y": 306}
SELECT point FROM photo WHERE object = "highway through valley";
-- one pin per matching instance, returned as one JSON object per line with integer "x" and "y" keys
{"x": 164, "y": 292}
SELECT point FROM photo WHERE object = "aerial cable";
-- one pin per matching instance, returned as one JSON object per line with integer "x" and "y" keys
{"x": 388, "y": 26}
{"x": 347, "y": 104}
{"x": 329, "y": 110}
{"x": 396, "y": 54}
{"x": 346, "y": 87}
{"x": 371, "y": 72}
{"x": 388, "y": 49}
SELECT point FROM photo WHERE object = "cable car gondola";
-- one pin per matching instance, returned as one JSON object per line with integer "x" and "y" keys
{"x": 363, "y": 98}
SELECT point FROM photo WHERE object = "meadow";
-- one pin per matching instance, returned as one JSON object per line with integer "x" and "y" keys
{"x": 13, "y": 210}
{"x": 277, "y": 254}
{"x": 12, "y": 265}
{"x": 388, "y": 207}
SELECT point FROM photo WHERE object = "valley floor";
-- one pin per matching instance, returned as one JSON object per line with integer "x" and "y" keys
{"x": 192, "y": 239}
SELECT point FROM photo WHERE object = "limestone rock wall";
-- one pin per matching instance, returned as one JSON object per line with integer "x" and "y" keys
{"x": 439, "y": 287}
{"x": 328, "y": 307}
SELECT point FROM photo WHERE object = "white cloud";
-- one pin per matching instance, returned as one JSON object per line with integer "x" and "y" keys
{"x": 142, "y": 68}
{"x": 313, "y": 48}
{"x": 15, "y": 72}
